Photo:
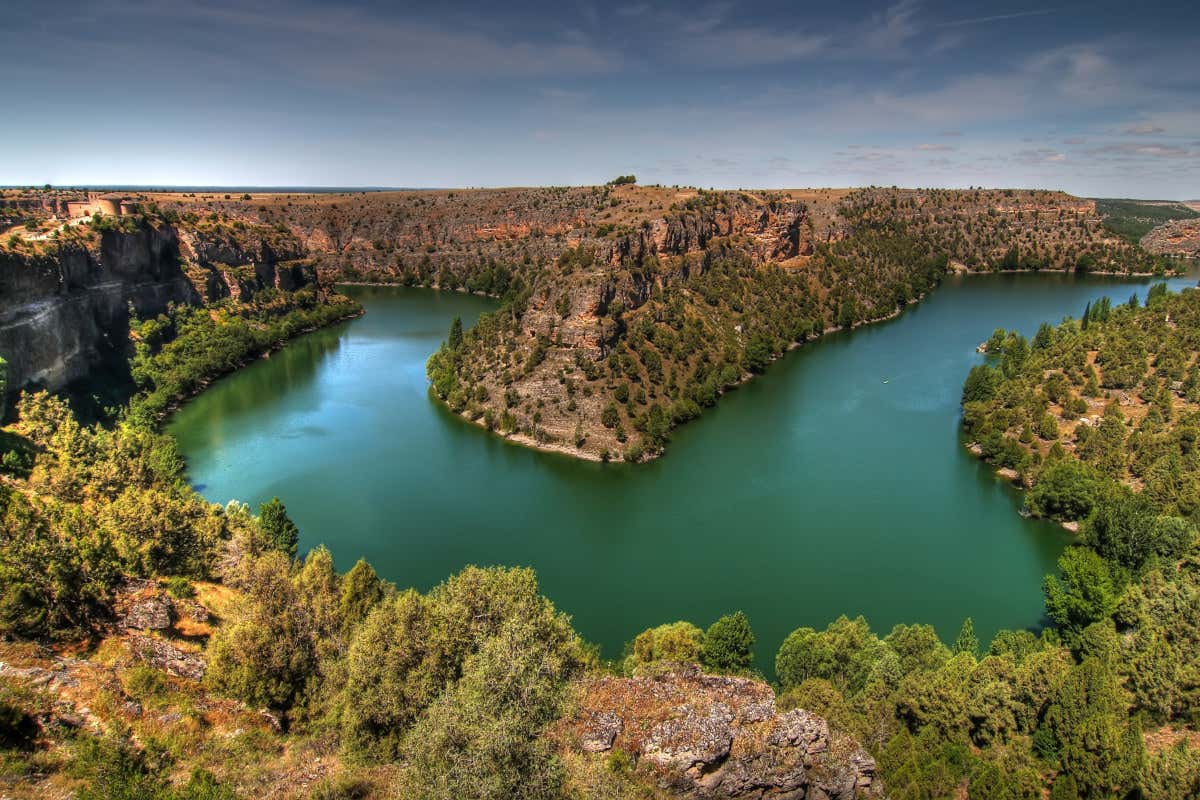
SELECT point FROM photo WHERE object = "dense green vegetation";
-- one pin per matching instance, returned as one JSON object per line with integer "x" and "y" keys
{"x": 481, "y": 662}
{"x": 102, "y": 504}
{"x": 997, "y": 230}
{"x": 1118, "y": 389}
{"x": 1099, "y": 417}
{"x": 1133, "y": 219}
{"x": 177, "y": 353}
{"x": 459, "y": 687}
{"x": 673, "y": 329}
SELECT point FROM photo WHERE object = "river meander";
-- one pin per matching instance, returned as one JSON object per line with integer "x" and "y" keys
{"x": 834, "y": 484}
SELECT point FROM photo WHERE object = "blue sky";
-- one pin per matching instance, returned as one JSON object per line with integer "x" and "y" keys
{"x": 1098, "y": 98}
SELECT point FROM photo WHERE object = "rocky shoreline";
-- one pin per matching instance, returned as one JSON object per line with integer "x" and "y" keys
{"x": 1014, "y": 479}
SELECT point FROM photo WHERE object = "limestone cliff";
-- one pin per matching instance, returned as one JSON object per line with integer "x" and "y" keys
{"x": 65, "y": 309}
{"x": 1180, "y": 237}
{"x": 629, "y": 309}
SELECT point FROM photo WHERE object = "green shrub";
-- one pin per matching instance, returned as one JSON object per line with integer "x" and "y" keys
{"x": 728, "y": 644}
{"x": 144, "y": 683}
{"x": 676, "y": 641}
{"x": 341, "y": 788}
{"x": 17, "y": 728}
{"x": 412, "y": 649}
{"x": 1066, "y": 490}
{"x": 180, "y": 587}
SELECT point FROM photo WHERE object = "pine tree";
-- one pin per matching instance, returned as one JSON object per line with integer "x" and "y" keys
{"x": 277, "y": 527}
{"x": 456, "y": 334}
{"x": 361, "y": 591}
{"x": 1064, "y": 788}
{"x": 729, "y": 644}
{"x": 1044, "y": 337}
{"x": 1089, "y": 722}
{"x": 1087, "y": 315}
{"x": 967, "y": 641}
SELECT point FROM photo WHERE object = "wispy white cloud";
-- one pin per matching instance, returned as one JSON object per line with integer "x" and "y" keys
{"x": 560, "y": 95}
{"x": 997, "y": 17}
{"x": 1144, "y": 150}
{"x": 750, "y": 46}
{"x": 704, "y": 19}
{"x": 889, "y": 32}
{"x": 1144, "y": 130}
{"x": 355, "y": 45}
{"x": 1041, "y": 156}
{"x": 712, "y": 36}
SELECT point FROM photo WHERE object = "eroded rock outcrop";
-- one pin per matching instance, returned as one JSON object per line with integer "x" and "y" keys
{"x": 168, "y": 657}
{"x": 1180, "y": 237}
{"x": 65, "y": 311}
{"x": 718, "y": 737}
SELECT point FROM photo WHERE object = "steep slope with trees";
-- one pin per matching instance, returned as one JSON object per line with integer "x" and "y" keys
{"x": 68, "y": 296}
{"x": 156, "y": 645}
{"x": 626, "y": 309}
{"x": 610, "y": 347}
{"x": 1098, "y": 417}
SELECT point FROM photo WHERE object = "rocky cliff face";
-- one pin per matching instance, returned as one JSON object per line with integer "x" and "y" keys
{"x": 237, "y": 262}
{"x": 772, "y": 230}
{"x": 66, "y": 310}
{"x": 62, "y": 313}
{"x": 775, "y": 230}
{"x": 1179, "y": 237}
{"x": 719, "y": 738}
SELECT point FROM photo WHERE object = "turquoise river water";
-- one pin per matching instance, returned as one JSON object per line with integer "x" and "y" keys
{"x": 834, "y": 484}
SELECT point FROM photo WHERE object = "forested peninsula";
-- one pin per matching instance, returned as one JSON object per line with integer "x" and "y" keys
{"x": 626, "y": 310}
{"x": 158, "y": 645}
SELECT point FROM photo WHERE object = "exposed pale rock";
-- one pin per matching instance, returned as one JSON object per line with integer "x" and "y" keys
{"x": 720, "y": 738}
{"x": 600, "y": 731}
{"x": 692, "y": 739}
{"x": 150, "y": 614}
{"x": 163, "y": 655}
{"x": 191, "y": 609}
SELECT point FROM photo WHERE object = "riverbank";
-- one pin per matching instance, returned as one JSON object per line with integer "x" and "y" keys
{"x": 526, "y": 440}
{"x": 431, "y": 286}
{"x": 1076, "y": 417}
{"x": 206, "y": 345}
{"x": 963, "y": 269}
{"x": 1014, "y": 479}
{"x": 275, "y": 347}
{"x": 529, "y": 441}
{"x": 340, "y": 425}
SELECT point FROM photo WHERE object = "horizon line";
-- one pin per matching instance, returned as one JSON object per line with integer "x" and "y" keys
{"x": 332, "y": 188}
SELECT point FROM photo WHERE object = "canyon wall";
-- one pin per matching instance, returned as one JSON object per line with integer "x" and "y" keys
{"x": 62, "y": 313}
{"x": 66, "y": 310}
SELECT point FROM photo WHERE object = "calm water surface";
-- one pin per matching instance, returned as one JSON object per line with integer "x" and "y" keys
{"x": 834, "y": 484}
